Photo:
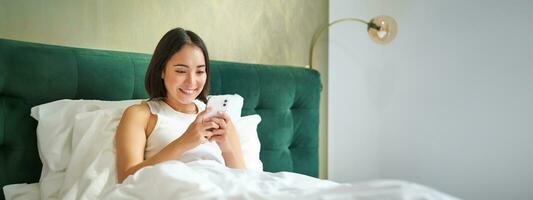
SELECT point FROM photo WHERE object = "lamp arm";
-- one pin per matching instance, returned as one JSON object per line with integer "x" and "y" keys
{"x": 322, "y": 29}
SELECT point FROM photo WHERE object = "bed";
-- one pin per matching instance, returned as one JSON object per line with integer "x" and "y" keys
{"x": 286, "y": 98}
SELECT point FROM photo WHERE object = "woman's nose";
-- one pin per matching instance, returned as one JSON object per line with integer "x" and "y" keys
{"x": 190, "y": 78}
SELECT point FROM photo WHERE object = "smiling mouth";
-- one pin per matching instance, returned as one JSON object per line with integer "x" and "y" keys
{"x": 186, "y": 91}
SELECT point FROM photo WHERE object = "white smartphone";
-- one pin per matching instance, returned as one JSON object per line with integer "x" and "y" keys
{"x": 217, "y": 103}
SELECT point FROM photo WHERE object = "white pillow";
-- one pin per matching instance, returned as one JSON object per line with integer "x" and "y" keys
{"x": 247, "y": 130}
{"x": 22, "y": 191}
{"x": 92, "y": 170}
{"x": 54, "y": 130}
{"x": 54, "y": 137}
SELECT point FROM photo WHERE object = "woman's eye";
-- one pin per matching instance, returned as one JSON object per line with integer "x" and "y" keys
{"x": 181, "y": 71}
{"x": 200, "y": 72}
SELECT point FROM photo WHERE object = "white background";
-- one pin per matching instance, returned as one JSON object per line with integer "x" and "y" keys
{"x": 448, "y": 104}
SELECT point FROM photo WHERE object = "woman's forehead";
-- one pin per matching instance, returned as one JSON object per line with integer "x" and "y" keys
{"x": 188, "y": 56}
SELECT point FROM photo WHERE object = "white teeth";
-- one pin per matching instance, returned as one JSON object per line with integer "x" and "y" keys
{"x": 187, "y": 91}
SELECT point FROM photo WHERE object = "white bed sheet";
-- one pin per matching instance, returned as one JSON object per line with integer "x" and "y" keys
{"x": 210, "y": 180}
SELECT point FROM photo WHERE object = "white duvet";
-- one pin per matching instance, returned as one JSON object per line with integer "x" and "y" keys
{"x": 86, "y": 170}
{"x": 210, "y": 180}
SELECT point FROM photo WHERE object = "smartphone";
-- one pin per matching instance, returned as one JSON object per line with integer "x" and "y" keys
{"x": 217, "y": 103}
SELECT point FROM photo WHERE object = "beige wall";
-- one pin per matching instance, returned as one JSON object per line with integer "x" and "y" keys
{"x": 267, "y": 32}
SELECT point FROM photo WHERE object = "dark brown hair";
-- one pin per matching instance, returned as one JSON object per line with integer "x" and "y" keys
{"x": 171, "y": 43}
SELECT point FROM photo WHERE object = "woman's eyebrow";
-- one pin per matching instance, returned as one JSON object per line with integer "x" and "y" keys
{"x": 184, "y": 65}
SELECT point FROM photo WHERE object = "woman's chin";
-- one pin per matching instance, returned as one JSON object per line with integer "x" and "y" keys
{"x": 187, "y": 102}
{"x": 184, "y": 100}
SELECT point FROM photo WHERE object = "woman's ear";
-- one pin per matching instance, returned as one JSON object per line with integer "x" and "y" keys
{"x": 162, "y": 75}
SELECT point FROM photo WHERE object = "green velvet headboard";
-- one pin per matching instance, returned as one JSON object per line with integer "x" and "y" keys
{"x": 287, "y": 98}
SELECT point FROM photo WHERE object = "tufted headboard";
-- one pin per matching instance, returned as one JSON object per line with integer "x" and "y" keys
{"x": 287, "y": 98}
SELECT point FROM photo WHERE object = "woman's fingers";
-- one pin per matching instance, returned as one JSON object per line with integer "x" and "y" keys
{"x": 209, "y": 125}
{"x": 219, "y": 121}
{"x": 216, "y": 138}
{"x": 224, "y": 116}
{"x": 218, "y": 132}
{"x": 200, "y": 117}
{"x": 208, "y": 135}
{"x": 214, "y": 127}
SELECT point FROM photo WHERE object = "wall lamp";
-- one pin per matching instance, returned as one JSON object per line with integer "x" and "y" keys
{"x": 381, "y": 29}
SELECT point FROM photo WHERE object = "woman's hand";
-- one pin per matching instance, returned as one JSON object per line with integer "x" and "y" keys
{"x": 199, "y": 131}
{"x": 226, "y": 135}
{"x": 228, "y": 141}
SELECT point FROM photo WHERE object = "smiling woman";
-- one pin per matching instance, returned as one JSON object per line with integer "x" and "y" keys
{"x": 177, "y": 83}
{"x": 181, "y": 49}
{"x": 185, "y": 77}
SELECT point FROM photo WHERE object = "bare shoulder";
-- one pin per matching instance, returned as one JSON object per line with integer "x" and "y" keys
{"x": 140, "y": 109}
{"x": 136, "y": 113}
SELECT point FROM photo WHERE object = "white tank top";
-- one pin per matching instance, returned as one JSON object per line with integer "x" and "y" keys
{"x": 170, "y": 125}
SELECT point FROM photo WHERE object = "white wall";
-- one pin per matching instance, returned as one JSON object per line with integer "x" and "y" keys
{"x": 448, "y": 104}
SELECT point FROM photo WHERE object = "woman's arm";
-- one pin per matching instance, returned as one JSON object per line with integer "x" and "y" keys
{"x": 130, "y": 141}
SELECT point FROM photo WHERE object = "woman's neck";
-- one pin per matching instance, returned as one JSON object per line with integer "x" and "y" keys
{"x": 183, "y": 108}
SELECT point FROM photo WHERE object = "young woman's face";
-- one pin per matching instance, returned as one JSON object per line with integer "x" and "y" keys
{"x": 185, "y": 74}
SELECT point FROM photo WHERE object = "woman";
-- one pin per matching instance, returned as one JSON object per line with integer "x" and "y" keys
{"x": 171, "y": 124}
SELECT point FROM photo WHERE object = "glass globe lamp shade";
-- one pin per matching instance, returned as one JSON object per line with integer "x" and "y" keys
{"x": 382, "y": 29}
